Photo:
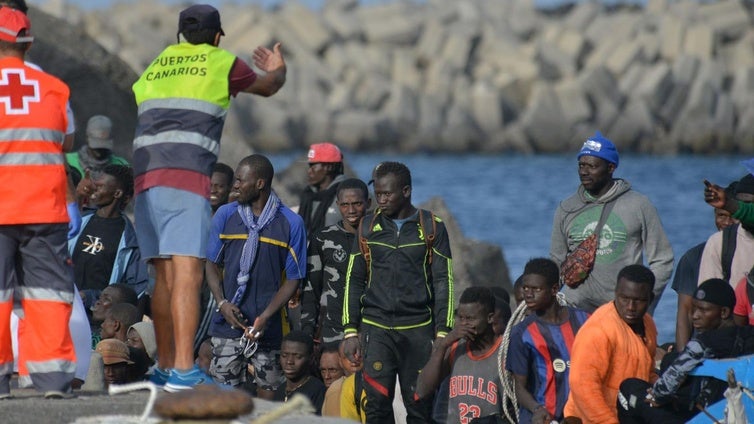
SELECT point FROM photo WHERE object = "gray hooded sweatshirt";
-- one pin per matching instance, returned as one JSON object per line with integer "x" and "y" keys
{"x": 632, "y": 230}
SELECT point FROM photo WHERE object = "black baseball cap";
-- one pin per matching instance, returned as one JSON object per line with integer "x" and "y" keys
{"x": 199, "y": 17}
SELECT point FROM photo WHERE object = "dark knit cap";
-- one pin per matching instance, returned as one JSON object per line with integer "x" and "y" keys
{"x": 745, "y": 185}
{"x": 716, "y": 291}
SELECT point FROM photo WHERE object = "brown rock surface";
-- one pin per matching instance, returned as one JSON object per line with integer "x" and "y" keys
{"x": 204, "y": 402}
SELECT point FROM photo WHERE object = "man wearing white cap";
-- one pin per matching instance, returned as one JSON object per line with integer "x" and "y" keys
{"x": 98, "y": 149}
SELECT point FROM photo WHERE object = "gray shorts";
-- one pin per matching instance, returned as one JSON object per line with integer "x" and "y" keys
{"x": 229, "y": 365}
{"x": 172, "y": 222}
{"x": 36, "y": 255}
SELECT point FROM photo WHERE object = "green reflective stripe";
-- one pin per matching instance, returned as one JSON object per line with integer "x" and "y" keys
{"x": 54, "y": 365}
{"x": 177, "y": 136}
{"x": 6, "y": 295}
{"x": 38, "y": 293}
{"x": 399, "y": 327}
{"x": 183, "y": 103}
{"x": 451, "y": 295}
{"x": 31, "y": 134}
{"x": 9, "y": 159}
{"x": 346, "y": 316}
{"x": 400, "y": 246}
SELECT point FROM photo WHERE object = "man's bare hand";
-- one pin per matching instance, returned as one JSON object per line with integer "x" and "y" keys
{"x": 352, "y": 349}
{"x": 714, "y": 195}
{"x": 269, "y": 60}
{"x": 233, "y": 315}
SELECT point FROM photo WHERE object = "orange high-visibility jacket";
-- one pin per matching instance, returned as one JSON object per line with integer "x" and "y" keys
{"x": 32, "y": 130}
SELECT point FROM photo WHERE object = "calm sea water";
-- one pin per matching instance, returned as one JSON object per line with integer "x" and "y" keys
{"x": 510, "y": 200}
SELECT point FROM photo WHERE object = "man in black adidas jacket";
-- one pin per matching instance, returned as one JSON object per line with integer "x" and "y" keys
{"x": 398, "y": 296}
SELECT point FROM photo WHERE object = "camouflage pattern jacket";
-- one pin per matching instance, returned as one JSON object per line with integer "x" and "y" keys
{"x": 724, "y": 342}
{"x": 322, "y": 297}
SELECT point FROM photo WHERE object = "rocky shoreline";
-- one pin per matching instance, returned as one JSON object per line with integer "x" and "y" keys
{"x": 478, "y": 75}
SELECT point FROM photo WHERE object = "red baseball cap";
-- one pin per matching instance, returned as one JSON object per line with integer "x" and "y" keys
{"x": 12, "y": 22}
{"x": 324, "y": 152}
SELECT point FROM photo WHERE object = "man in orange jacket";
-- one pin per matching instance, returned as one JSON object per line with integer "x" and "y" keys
{"x": 34, "y": 215}
{"x": 617, "y": 342}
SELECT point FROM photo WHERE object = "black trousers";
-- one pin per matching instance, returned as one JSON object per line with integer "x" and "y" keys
{"x": 632, "y": 408}
{"x": 391, "y": 353}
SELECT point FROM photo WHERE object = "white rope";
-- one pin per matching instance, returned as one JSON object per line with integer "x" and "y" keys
{"x": 297, "y": 404}
{"x": 507, "y": 381}
{"x": 115, "y": 389}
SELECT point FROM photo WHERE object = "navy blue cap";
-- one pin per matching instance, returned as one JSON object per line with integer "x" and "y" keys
{"x": 199, "y": 17}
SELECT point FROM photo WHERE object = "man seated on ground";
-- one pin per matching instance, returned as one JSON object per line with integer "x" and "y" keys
{"x": 331, "y": 406}
{"x": 540, "y": 346}
{"x": 674, "y": 396}
{"x": 105, "y": 251}
{"x": 118, "y": 320}
{"x": 329, "y": 364}
{"x": 111, "y": 295}
{"x": 468, "y": 355}
{"x": 139, "y": 370}
{"x": 141, "y": 336}
{"x": 116, "y": 360}
{"x": 351, "y": 394}
{"x": 295, "y": 355}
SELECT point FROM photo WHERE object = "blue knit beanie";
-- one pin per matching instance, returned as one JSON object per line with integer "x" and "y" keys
{"x": 599, "y": 146}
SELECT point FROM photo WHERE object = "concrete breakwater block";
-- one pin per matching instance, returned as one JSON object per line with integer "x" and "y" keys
{"x": 465, "y": 57}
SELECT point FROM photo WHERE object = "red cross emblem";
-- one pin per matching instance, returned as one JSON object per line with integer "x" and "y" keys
{"x": 16, "y": 92}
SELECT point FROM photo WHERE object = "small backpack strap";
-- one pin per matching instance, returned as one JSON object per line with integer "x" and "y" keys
{"x": 429, "y": 238}
{"x": 358, "y": 386}
{"x": 730, "y": 234}
{"x": 364, "y": 243}
{"x": 750, "y": 286}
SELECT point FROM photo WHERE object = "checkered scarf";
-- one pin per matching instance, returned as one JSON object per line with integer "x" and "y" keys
{"x": 249, "y": 252}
